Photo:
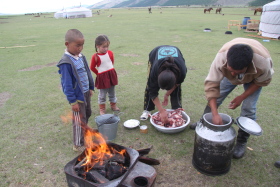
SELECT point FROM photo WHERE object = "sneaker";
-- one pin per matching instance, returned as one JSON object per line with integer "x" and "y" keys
{"x": 79, "y": 148}
{"x": 193, "y": 126}
{"x": 145, "y": 115}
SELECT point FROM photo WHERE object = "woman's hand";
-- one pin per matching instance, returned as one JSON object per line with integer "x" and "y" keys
{"x": 164, "y": 117}
{"x": 165, "y": 100}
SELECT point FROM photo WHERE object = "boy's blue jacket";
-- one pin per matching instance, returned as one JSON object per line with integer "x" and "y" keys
{"x": 70, "y": 81}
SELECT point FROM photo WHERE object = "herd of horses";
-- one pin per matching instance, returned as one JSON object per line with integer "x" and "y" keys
{"x": 218, "y": 10}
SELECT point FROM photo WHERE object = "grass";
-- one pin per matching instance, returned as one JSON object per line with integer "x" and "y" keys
{"x": 35, "y": 144}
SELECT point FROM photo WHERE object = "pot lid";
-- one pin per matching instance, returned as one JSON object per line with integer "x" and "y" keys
{"x": 248, "y": 125}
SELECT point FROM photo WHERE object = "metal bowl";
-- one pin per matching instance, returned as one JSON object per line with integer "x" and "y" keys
{"x": 171, "y": 130}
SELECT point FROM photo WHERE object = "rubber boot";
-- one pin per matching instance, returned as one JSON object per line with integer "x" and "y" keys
{"x": 193, "y": 125}
{"x": 114, "y": 106}
{"x": 240, "y": 146}
{"x": 102, "y": 109}
{"x": 277, "y": 164}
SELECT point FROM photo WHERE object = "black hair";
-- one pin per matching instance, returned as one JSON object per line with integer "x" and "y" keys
{"x": 100, "y": 40}
{"x": 239, "y": 56}
{"x": 73, "y": 34}
{"x": 168, "y": 74}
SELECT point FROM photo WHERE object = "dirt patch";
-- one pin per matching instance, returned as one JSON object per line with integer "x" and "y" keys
{"x": 122, "y": 73}
{"x": 17, "y": 46}
{"x": 263, "y": 37}
{"x": 4, "y": 96}
{"x": 34, "y": 68}
{"x": 137, "y": 63}
{"x": 133, "y": 55}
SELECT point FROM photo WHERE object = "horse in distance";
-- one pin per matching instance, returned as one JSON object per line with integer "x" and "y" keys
{"x": 208, "y": 10}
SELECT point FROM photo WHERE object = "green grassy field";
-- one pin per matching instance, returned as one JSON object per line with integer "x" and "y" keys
{"x": 35, "y": 144}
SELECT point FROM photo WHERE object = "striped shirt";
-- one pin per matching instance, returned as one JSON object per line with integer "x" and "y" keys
{"x": 80, "y": 67}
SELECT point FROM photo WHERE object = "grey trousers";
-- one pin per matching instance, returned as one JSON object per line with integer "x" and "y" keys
{"x": 103, "y": 94}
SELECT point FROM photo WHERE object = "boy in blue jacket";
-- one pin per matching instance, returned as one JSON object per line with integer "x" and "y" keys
{"x": 77, "y": 84}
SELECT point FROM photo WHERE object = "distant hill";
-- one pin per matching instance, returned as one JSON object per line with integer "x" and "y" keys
{"x": 146, "y": 3}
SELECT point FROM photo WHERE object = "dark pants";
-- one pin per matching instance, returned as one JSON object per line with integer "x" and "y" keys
{"x": 80, "y": 121}
{"x": 175, "y": 99}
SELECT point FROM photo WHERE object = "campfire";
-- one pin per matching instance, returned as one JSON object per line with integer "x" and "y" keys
{"x": 101, "y": 162}
{"x": 104, "y": 163}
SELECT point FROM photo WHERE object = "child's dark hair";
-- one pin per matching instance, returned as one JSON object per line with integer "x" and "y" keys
{"x": 239, "y": 56}
{"x": 72, "y": 34}
{"x": 100, "y": 40}
{"x": 168, "y": 74}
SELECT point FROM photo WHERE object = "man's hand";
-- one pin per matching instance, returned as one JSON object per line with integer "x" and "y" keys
{"x": 217, "y": 120}
{"x": 236, "y": 102}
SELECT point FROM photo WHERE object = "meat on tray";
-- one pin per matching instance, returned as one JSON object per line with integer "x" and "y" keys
{"x": 175, "y": 119}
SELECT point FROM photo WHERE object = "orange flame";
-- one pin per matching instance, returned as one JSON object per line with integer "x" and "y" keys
{"x": 97, "y": 151}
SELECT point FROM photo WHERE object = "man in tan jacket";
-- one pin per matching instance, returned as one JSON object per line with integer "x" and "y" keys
{"x": 239, "y": 61}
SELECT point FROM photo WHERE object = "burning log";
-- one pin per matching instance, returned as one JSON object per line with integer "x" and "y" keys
{"x": 96, "y": 177}
{"x": 114, "y": 170}
{"x": 80, "y": 163}
{"x": 100, "y": 163}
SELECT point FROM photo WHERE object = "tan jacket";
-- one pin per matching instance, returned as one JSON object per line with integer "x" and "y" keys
{"x": 260, "y": 71}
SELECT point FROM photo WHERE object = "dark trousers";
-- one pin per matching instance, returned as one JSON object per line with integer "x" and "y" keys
{"x": 80, "y": 120}
{"x": 175, "y": 99}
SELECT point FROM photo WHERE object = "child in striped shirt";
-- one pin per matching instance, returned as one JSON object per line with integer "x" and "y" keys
{"x": 77, "y": 84}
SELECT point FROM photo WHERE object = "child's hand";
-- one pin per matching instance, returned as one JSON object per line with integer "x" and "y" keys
{"x": 90, "y": 93}
{"x": 75, "y": 108}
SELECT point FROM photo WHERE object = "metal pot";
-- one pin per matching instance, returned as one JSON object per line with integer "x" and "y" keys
{"x": 213, "y": 145}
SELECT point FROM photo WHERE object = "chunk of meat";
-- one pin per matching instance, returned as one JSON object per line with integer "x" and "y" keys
{"x": 175, "y": 119}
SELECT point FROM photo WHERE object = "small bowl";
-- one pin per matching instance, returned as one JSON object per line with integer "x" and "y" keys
{"x": 171, "y": 130}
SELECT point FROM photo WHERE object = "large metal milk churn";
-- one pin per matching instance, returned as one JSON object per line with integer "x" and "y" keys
{"x": 213, "y": 145}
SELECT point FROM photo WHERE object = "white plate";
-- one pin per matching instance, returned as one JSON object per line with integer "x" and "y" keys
{"x": 132, "y": 123}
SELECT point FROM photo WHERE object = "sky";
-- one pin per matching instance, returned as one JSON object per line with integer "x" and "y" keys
{"x": 34, "y": 6}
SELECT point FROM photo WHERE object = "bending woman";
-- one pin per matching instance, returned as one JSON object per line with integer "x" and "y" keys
{"x": 167, "y": 71}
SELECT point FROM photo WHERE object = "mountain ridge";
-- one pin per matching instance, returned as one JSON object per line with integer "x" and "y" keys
{"x": 105, "y": 4}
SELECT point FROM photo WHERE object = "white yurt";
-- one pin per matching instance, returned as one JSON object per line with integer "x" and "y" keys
{"x": 80, "y": 12}
{"x": 270, "y": 20}
{"x": 58, "y": 14}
